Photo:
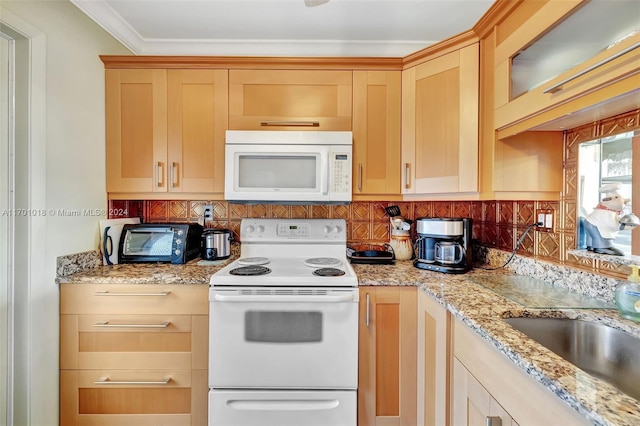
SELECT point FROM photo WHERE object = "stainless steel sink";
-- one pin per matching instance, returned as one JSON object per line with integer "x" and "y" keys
{"x": 602, "y": 351}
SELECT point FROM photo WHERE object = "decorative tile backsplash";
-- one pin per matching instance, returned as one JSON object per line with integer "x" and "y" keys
{"x": 496, "y": 224}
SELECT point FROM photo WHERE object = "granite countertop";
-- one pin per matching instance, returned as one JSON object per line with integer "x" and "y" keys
{"x": 478, "y": 307}
{"x": 482, "y": 310}
{"x": 147, "y": 273}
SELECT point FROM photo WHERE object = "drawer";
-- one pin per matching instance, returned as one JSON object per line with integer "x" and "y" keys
{"x": 126, "y": 397}
{"x": 133, "y": 298}
{"x": 111, "y": 341}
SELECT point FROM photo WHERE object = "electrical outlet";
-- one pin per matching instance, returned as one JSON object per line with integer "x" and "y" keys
{"x": 207, "y": 213}
{"x": 547, "y": 218}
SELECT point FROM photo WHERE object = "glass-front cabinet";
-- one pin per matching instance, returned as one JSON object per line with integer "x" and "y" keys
{"x": 566, "y": 57}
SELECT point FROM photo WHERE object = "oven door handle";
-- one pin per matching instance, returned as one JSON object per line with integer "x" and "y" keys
{"x": 347, "y": 297}
{"x": 284, "y": 404}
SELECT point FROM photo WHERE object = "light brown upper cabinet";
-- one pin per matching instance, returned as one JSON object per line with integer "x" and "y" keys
{"x": 440, "y": 124}
{"x": 290, "y": 99}
{"x": 165, "y": 130}
{"x": 376, "y": 133}
{"x": 549, "y": 64}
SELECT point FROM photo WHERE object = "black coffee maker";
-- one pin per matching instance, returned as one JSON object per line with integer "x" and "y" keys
{"x": 444, "y": 245}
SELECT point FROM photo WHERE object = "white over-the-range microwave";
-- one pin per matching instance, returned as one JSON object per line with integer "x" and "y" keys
{"x": 288, "y": 166}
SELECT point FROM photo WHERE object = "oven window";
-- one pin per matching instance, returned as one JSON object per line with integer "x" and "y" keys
{"x": 278, "y": 171}
{"x": 282, "y": 327}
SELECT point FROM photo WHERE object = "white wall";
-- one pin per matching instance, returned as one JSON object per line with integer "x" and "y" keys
{"x": 71, "y": 176}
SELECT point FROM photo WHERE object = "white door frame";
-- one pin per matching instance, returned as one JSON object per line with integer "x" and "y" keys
{"x": 30, "y": 186}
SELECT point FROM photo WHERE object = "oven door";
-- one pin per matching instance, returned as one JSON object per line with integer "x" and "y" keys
{"x": 281, "y": 338}
{"x": 282, "y": 408}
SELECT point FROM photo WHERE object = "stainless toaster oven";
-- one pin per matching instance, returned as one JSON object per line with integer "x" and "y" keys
{"x": 160, "y": 242}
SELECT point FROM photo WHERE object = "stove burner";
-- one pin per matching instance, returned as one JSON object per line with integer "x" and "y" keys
{"x": 253, "y": 261}
{"x": 321, "y": 262}
{"x": 328, "y": 272}
{"x": 250, "y": 270}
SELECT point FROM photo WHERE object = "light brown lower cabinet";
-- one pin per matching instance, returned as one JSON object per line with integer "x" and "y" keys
{"x": 487, "y": 386}
{"x": 475, "y": 405}
{"x": 133, "y": 354}
{"x": 434, "y": 362}
{"x": 387, "y": 358}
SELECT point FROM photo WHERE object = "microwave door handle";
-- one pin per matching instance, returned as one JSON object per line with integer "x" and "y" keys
{"x": 325, "y": 179}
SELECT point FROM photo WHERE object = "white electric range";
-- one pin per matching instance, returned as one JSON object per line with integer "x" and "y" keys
{"x": 284, "y": 328}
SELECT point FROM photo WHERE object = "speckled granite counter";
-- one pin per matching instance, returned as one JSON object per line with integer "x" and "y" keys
{"x": 482, "y": 310}
{"x": 87, "y": 268}
{"x": 478, "y": 307}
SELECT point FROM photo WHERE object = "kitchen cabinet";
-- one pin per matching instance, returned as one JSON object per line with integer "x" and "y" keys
{"x": 133, "y": 354}
{"x": 290, "y": 99}
{"x": 474, "y": 404}
{"x": 531, "y": 90}
{"x": 434, "y": 363}
{"x": 165, "y": 131}
{"x": 485, "y": 383}
{"x": 376, "y": 133}
{"x": 440, "y": 124}
{"x": 387, "y": 356}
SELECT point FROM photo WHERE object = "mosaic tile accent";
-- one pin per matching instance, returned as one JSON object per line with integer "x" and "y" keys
{"x": 178, "y": 209}
{"x": 525, "y": 213}
{"x": 506, "y": 212}
{"x": 442, "y": 208}
{"x": 423, "y": 209}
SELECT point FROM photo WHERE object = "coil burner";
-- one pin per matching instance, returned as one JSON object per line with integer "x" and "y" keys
{"x": 328, "y": 272}
{"x": 250, "y": 270}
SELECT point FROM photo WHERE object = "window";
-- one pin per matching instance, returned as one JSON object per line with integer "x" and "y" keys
{"x": 605, "y": 161}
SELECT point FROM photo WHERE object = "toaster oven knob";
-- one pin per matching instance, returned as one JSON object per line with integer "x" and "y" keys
{"x": 177, "y": 252}
{"x": 178, "y": 241}
{"x": 180, "y": 232}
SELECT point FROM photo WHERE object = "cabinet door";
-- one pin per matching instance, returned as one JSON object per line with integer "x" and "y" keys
{"x": 434, "y": 343}
{"x": 584, "y": 87}
{"x": 376, "y": 132}
{"x": 286, "y": 99}
{"x": 440, "y": 124}
{"x": 387, "y": 358}
{"x": 197, "y": 120}
{"x": 136, "y": 130}
{"x": 473, "y": 405}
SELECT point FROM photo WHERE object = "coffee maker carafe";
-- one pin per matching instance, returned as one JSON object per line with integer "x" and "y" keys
{"x": 444, "y": 245}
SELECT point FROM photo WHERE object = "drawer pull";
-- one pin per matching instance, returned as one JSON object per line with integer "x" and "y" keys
{"x": 163, "y": 324}
{"x": 558, "y": 86}
{"x": 108, "y": 293}
{"x": 106, "y": 381}
{"x": 291, "y": 123}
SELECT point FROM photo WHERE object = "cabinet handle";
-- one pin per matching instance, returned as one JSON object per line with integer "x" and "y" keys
{"x": 291, "y": 123}
{"x": 407, "y": 175}
{"x": 108, "y": 293}
{"x": 174, "y": 174}
{"x": 493, "y": 421}
{"x": 359, "y": 176}
{"x": 366, "y": 320}
{"x": 160, "y": 174}
{"x": 558, "y": 86}
{"x": 106, "y": 381}
{"x": 163, "y": 324}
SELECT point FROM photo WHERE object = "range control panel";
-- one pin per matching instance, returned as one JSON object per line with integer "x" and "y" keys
{"x": 281, "y": 230}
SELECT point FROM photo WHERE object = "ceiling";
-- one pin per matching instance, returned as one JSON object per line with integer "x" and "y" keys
{"x": 352, "y": 28}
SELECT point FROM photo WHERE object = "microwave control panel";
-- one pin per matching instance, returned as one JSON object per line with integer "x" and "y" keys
{"x": 341, "y": 179}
